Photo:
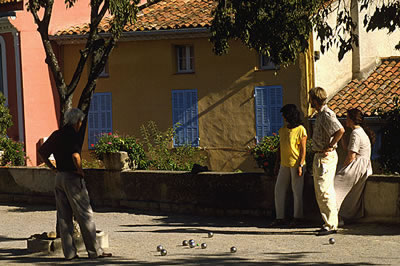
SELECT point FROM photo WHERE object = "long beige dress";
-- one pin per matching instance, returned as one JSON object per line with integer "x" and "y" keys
{"x": 350, "y": 180}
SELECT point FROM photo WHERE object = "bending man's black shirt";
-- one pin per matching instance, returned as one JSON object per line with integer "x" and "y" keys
{"x": 62, "y": 144}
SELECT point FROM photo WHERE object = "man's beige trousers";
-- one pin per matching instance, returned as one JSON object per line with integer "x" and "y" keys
{"x": 324, "y": 169}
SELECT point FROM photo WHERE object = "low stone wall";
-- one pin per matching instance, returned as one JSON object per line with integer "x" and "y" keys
{"x": 207, "y": 193}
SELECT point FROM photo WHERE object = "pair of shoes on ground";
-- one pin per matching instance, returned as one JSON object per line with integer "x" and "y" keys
{"x": 324, "y": 231}
{"x": 103, "y": 255}
{"x": 74, "y": 258}
{"x": 296, "y": 222}
{"x": 278, "y": 223}
{"x": 341, "y": 223}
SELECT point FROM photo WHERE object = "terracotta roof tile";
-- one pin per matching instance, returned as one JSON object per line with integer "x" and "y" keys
{"x": 163, "y": 15}
{"x": 374, "y": 92}
{"x": 9, "y": 1}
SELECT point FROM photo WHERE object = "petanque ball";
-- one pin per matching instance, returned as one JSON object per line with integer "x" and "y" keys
{"x": 163, "y": 252}
{"x": 332, "y": 241}
{"x": 192, "y": 244}
{"x": 185, "y": 243}
{"x": 233, "y": 249}
{"x": 203, "y": 245}
{"x": 210, "y": 234}
{"x": 159, "y": 248}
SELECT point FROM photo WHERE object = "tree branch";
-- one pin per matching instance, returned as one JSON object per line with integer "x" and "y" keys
{"x": 95, "y": 19}
{"x": 47, "y": 12}
{"x": 102, "y": 13}
{"x": 33, "y": 10}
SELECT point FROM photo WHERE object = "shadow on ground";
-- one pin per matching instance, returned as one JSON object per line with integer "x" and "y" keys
{"x": 29, "y": 208}
{"x": 374, "y": 229}
{"x": 7, "y": 239}
{"x": 178, "y": 223}
{"x": 216, "y": 259}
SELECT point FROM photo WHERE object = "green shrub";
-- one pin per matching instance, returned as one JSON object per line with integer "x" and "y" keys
{"x": 161, "y": 154}
{"x": 109, "y": 142}
{"x": 389, "y": 153}
{"x": 14, "y": 154}
{"x": 5, "y": 117}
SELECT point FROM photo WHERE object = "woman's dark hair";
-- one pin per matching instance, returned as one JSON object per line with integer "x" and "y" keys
{"x": 292, "y": 115}
{"x": 358, "y": 119}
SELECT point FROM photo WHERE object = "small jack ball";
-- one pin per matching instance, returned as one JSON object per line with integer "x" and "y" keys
{"x": 210, "y": 234}
{"x": 185, "y": 243}
{"x": 233, "y": 249}
{"x": 159, "y": 248}
{"x": 163, "y": 252}
{"x": 203, "y": 245}
{"x": 332, "y": 241}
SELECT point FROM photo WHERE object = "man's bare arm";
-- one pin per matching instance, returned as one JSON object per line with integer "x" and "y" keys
{"x": 76, "y": 158}
{"x": 46, "y": 160}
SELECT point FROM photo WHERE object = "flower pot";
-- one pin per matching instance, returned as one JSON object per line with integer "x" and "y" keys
{"x": 117, "y": 161}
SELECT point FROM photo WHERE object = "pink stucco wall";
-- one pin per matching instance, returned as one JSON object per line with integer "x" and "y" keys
{"x": 39, "y": 97}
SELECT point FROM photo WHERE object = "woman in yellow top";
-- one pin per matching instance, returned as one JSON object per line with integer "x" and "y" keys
{"x": 291, "y": 155}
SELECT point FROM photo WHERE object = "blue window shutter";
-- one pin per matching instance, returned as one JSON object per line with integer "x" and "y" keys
{"x": 275, "y": 95}
{"x": 185, "y": 112}
{"x": 100, "y": 117}
{"x": 268, "y": 102}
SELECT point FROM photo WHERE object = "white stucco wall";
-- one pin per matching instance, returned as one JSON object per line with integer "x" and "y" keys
{"x": 331, "y": 74}
{"x": 374, "y": 46}
{"x": 334, "y": 75}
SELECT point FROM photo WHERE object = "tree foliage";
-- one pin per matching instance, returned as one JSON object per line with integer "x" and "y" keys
{"x": 389, "y": 152}
{"x": 281, "y": 29}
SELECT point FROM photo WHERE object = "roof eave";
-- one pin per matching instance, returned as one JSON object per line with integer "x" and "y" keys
{"x": 185, "y": 33}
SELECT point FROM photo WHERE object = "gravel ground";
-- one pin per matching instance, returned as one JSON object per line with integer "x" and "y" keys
{"x": 134, "y": 237}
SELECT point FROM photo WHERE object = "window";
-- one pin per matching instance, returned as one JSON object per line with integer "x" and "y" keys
{"x": 268, "y": 103}
{"x": 100, "y": 117}
{"x": 266, "y": 63}
{"x": 3, "y": 69}
{"x": 185, "y": 117}
{"x": 185, "y": 58}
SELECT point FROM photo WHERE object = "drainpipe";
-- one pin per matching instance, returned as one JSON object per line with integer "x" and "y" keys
{"x": 21, "y": 129}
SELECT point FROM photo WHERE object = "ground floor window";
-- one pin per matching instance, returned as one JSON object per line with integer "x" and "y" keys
{"x": 100, "y": 117}
{"x": 268, "y": 102}
{"x": 3, "y": 69}
{"x": 185, "y": 117}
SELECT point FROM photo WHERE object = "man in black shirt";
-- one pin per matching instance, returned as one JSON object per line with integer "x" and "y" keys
{"x": 71, "y": 194}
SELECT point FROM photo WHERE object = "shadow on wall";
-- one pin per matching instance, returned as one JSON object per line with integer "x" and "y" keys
{"x": 238, "y": 85}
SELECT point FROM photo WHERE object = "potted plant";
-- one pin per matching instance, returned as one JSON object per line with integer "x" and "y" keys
{"x": 120, "y": 152}
{"x": 265, "y": 153}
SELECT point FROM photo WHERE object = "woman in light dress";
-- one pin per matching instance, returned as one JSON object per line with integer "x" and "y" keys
{"x": 351, "y": 178}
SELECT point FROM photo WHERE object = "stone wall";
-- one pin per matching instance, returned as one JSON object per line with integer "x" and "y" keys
{"x": 208, "y": 193}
